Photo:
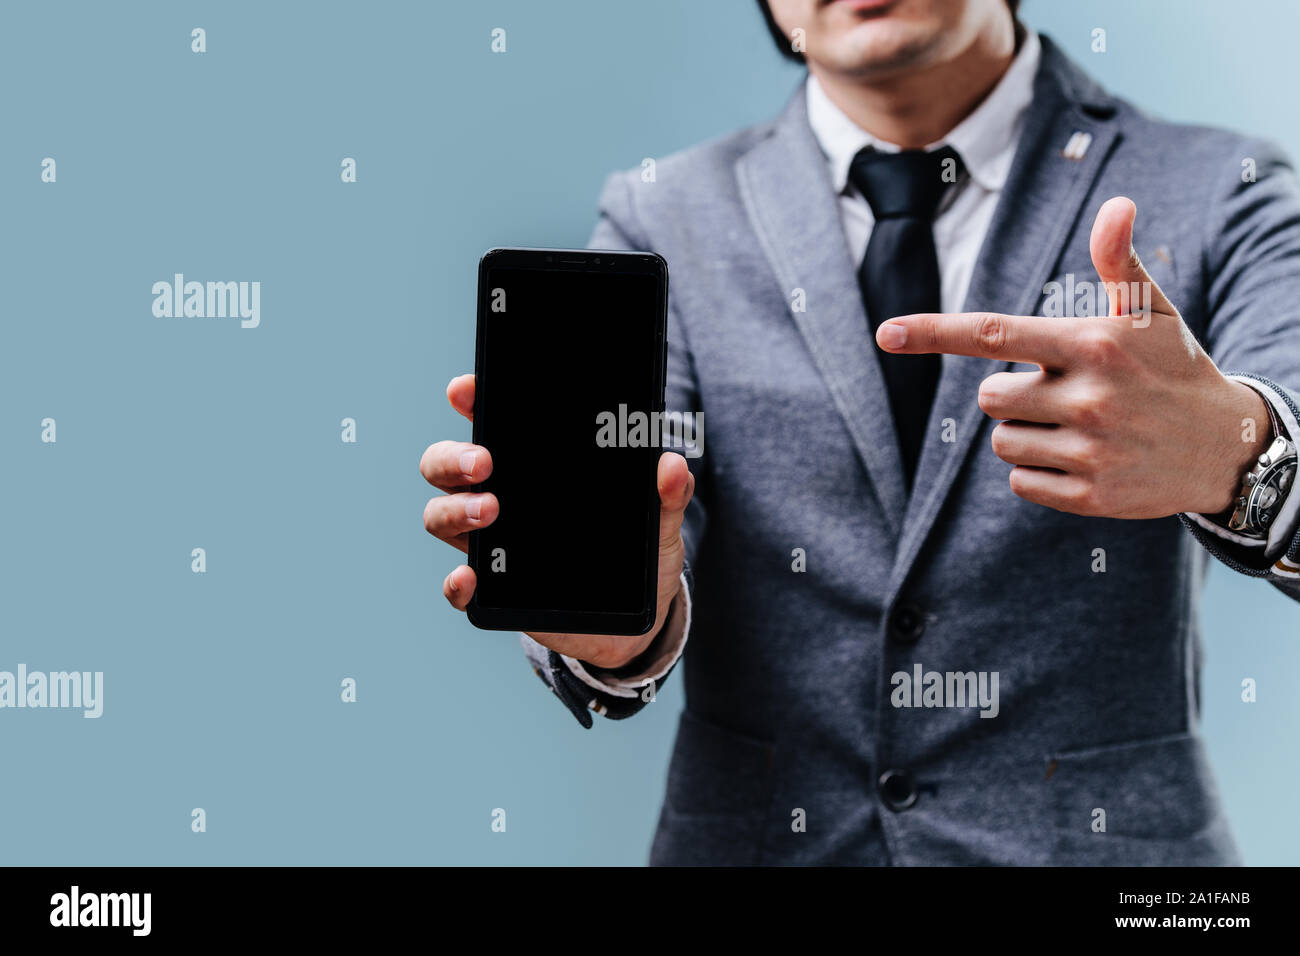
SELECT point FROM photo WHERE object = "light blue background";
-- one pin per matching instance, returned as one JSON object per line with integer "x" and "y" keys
{"x": 222, "y": 689}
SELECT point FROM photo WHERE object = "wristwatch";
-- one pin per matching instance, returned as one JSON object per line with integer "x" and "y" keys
{"x": 1265, "y": 486}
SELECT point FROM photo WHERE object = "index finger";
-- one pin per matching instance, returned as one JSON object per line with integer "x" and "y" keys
{"x": 1034, "y": 340}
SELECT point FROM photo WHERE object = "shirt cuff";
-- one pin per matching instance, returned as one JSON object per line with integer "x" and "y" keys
{"x": 1284, "y": 528}
{"x": 673, "y": 638}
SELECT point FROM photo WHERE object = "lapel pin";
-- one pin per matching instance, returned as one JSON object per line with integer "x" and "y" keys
{"x": 1078, "y": 145}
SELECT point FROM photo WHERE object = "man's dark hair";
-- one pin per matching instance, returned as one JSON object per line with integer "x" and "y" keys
{"x": 783, "y": 41}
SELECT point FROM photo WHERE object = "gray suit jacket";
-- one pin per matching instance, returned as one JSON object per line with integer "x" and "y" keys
{"x": 788, "y": 674}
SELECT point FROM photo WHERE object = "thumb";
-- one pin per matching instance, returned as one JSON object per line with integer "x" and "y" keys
{"x": 1128, "y": 286}
{"x": 676, "y": 485}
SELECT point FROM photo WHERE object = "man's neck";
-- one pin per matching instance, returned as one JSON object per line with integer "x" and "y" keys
{"x": 916, "y": 109}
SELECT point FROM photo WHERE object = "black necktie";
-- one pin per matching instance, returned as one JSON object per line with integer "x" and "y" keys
{"x": 900, "y": 273}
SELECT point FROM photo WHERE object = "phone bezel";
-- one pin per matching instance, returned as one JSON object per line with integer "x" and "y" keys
{"x": 604, "y": 261}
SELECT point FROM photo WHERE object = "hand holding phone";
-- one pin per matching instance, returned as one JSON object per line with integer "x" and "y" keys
{"x": 572, "y": 525}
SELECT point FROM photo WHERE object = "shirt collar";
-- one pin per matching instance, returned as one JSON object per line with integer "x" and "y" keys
{"x": 985, "y": 140}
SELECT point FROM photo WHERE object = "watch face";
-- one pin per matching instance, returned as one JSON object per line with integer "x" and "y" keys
{"x": 1264, "y": 489}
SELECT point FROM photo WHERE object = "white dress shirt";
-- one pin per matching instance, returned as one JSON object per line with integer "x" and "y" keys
{"x": 986, "y": 142}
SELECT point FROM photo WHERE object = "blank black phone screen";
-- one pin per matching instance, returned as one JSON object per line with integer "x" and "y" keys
{"x": 563, "y": 353}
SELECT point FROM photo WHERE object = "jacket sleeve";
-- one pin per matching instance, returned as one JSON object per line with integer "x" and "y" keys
{"x": 581, "y": 687}
{"x": 1252, "y": 304}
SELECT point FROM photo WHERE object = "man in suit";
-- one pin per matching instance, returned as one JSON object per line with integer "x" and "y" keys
{"x": 957, "y": 319}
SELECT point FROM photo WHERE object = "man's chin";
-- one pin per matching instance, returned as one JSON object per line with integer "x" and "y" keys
{"x": 877, "y": 49}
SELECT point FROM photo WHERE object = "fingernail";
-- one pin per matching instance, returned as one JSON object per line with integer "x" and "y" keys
{"x": 467, "y": 460}
{"x": 451, "y": 583}
{"x": 892, "y": 336}
{"x": 473, "y": 507}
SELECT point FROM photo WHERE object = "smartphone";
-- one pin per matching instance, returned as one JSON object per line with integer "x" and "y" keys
{"x": 569, "y": 361}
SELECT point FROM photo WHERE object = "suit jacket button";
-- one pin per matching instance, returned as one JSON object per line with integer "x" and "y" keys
{"x": 897, "y": 789}
{"x": 906, "y": 624}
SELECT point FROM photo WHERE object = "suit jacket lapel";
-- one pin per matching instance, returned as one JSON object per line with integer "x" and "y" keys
{"x": 792, "y": 205}
{"x": 1041, "y": 202}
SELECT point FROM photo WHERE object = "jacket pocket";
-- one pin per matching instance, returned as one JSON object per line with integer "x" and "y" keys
{"x": 1155, "y": 798}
